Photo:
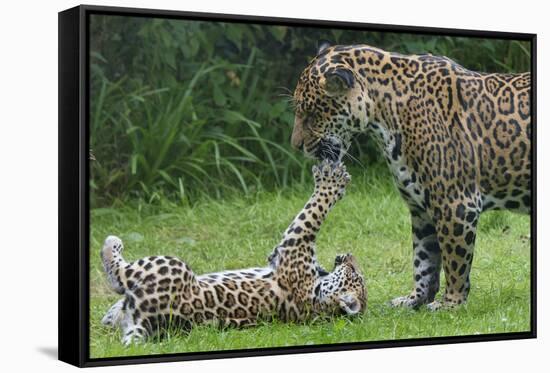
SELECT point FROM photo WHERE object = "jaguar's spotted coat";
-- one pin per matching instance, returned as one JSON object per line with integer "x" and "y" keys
{"x": 458, "y": 142}
{"x": 161, "y": 290}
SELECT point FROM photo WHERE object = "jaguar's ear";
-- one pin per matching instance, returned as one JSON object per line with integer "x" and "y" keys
{"x": 349, "y": 304}
{"x": 322, "y": 45}
{"x": 338, "y": 81}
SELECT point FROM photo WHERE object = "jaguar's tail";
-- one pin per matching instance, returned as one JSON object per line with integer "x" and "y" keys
{"x": 111, "y": 256}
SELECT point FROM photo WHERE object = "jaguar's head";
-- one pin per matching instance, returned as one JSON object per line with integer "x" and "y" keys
{"x": 342, "y": 291}
{"x": 332, "y": 105}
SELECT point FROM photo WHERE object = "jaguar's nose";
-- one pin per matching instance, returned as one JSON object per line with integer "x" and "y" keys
{"x": 297, "y": 139}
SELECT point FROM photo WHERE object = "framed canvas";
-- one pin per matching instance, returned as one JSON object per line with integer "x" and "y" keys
{"x": 235, "y": 186}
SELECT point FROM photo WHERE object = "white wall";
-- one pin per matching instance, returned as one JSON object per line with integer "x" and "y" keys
{"x": 28, "y": 182}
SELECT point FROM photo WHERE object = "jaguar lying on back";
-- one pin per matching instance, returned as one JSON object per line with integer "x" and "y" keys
{"x": 458, "y": 142}
{"x": 161, "y": 290}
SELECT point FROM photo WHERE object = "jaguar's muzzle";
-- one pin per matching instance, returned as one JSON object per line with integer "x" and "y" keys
{"x": 327, "y": 149}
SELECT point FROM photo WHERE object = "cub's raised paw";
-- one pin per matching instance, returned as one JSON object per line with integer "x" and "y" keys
{"x": 331, "y": 177}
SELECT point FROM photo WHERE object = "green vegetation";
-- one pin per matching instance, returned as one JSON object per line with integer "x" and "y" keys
{"x": 183, "y": 109}
{"x": 371, "y": 222}
{"x": 190, "y": 127}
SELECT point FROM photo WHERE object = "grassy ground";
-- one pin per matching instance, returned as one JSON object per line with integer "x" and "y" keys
{"x": 371, "y": 221}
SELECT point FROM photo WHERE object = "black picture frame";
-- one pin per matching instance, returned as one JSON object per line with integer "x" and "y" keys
{"x": 74, "y": 173}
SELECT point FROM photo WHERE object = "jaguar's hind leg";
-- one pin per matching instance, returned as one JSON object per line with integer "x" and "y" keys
{"x": 132, "y": 332}
{"x": 114, "y": 316}
{"x": 132, "y": 325}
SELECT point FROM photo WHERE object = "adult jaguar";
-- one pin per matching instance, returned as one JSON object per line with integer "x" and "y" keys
{"x": 457, "y": 143}
{"x": 161, "y": 290}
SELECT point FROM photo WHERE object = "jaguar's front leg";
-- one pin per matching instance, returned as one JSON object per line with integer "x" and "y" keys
{"x": 426, "y": 262}
{"x": 331, "y": 180}
{"x": 456, "y": 236}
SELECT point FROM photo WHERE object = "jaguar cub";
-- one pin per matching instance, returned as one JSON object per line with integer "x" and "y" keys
{"x": 162, "y": 291}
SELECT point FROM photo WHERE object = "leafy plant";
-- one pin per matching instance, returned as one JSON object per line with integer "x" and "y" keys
{"x": 185, "y": 109}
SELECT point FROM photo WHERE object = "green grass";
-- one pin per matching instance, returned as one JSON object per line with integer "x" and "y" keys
{"x": 371, "y": 221}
